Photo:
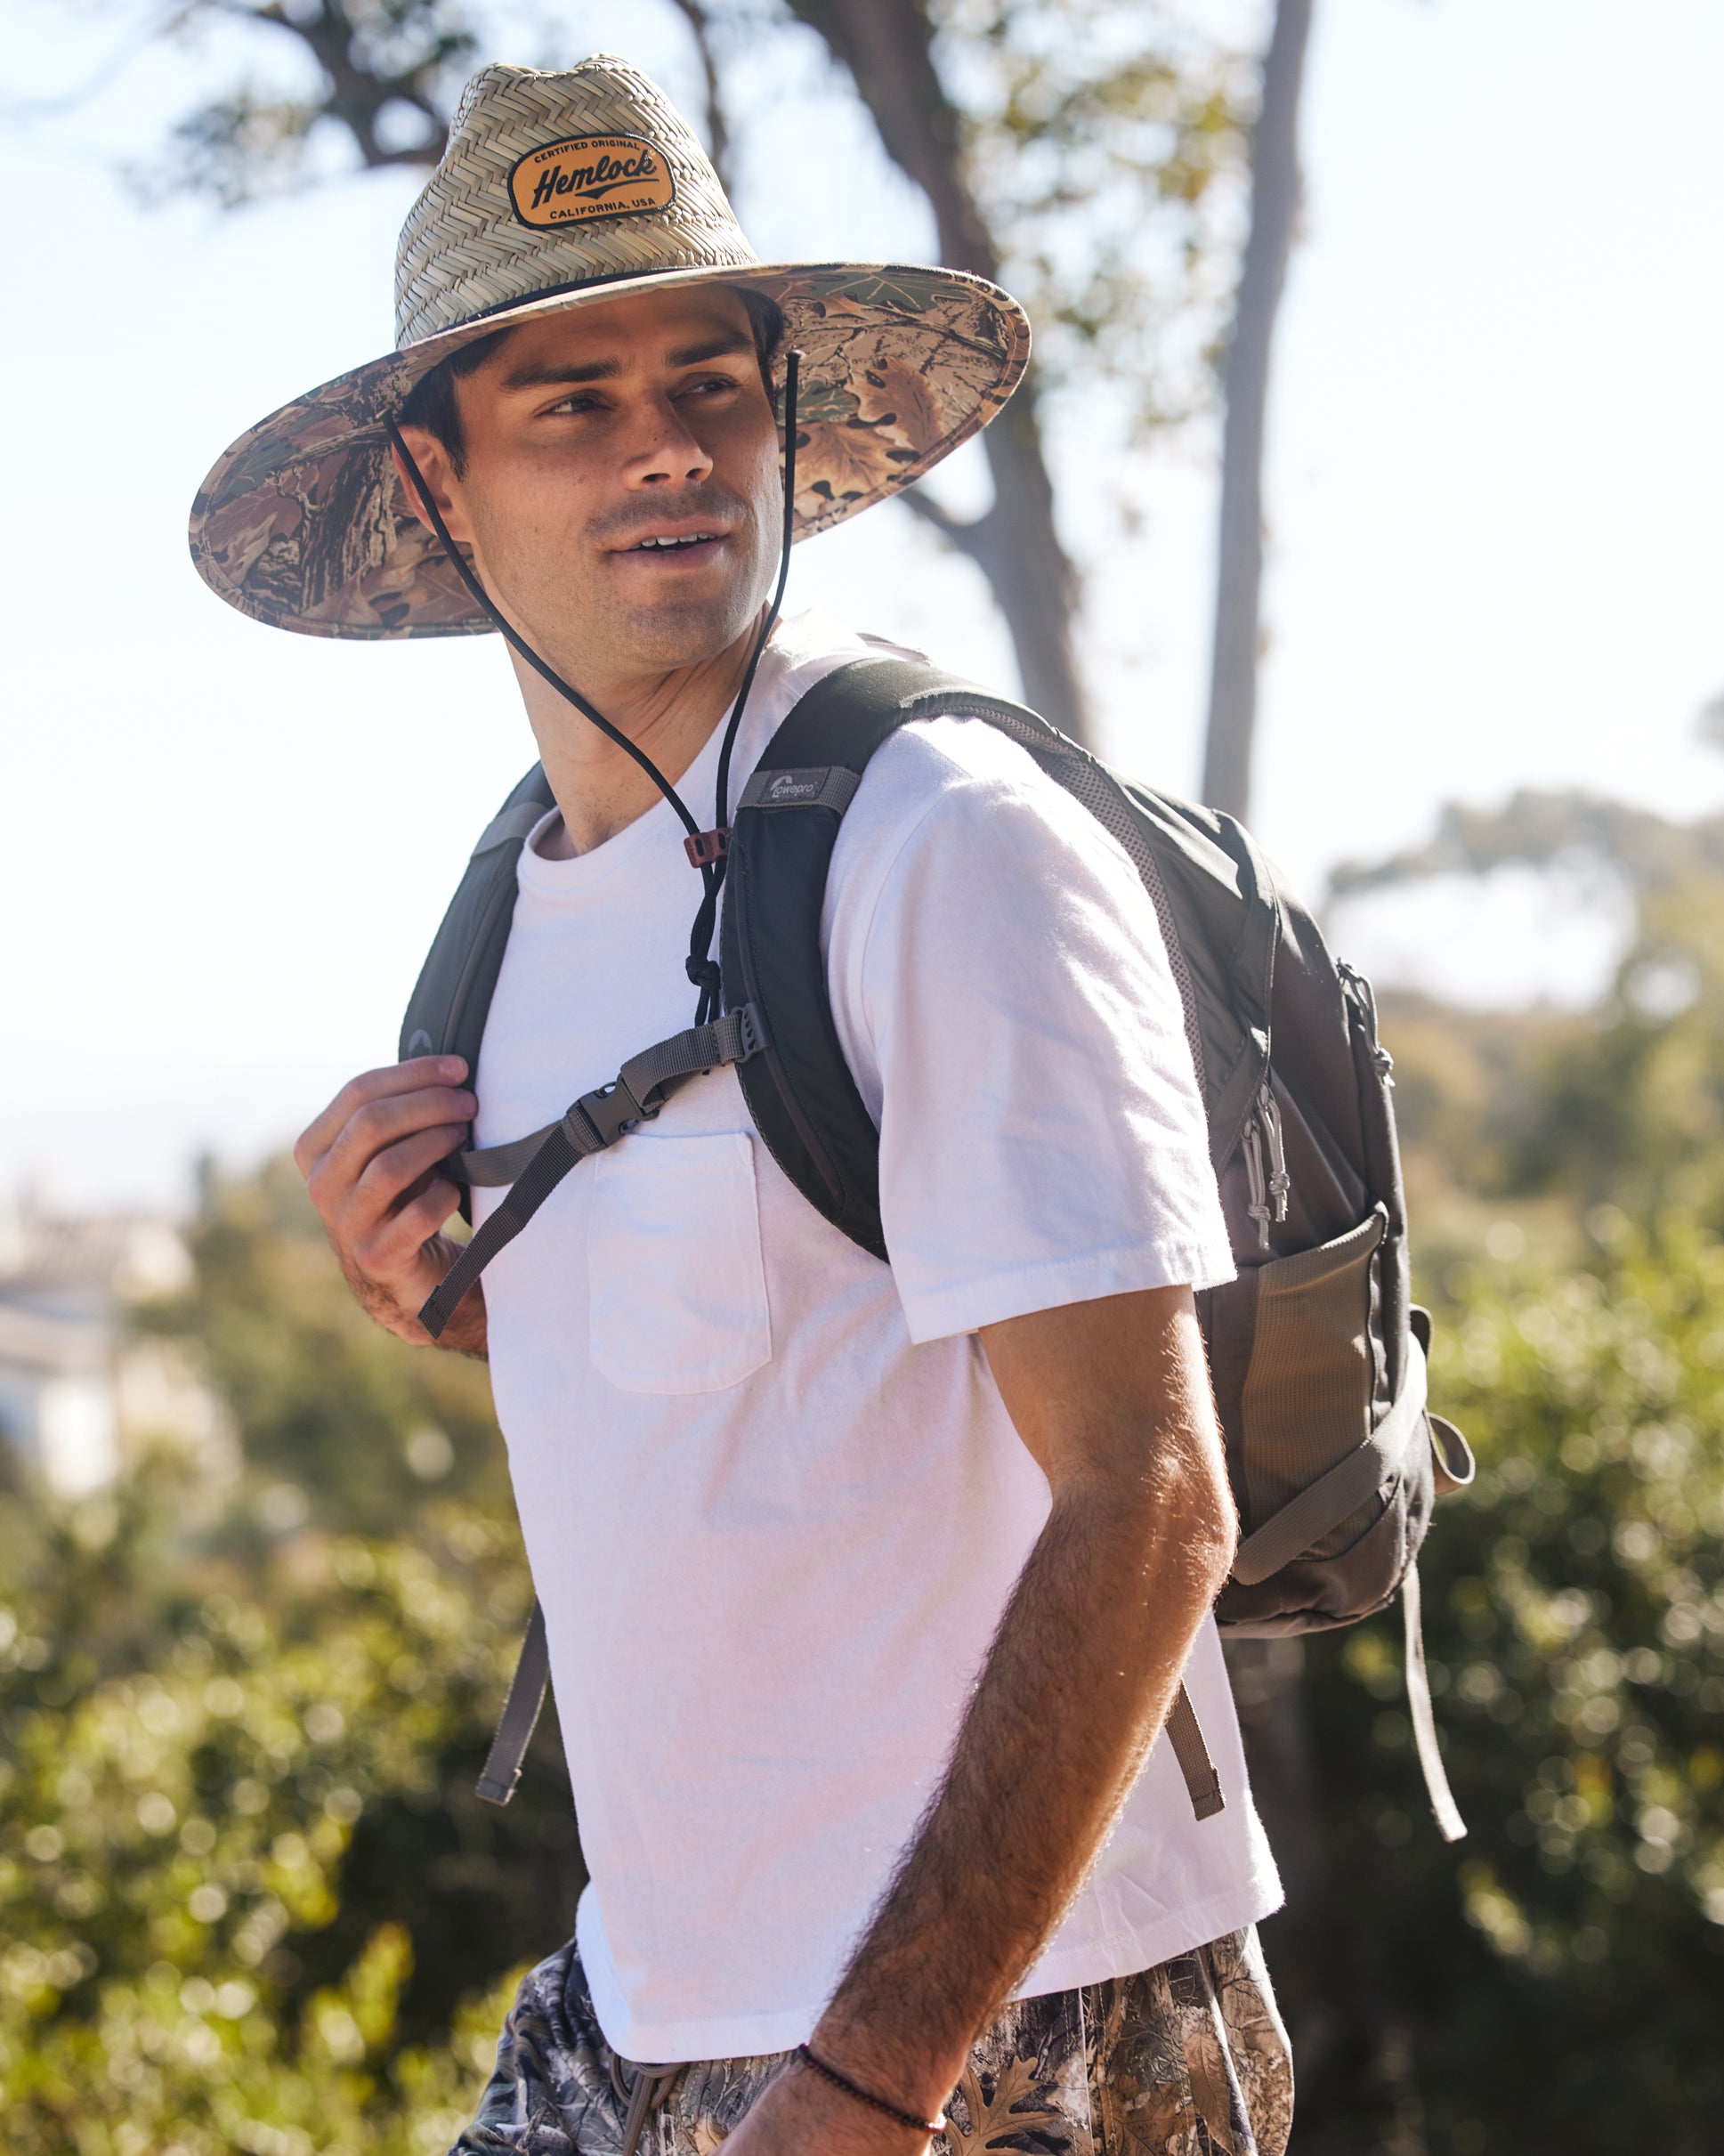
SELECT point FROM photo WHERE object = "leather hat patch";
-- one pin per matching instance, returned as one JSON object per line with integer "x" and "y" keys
{"x": 588, "y": 176}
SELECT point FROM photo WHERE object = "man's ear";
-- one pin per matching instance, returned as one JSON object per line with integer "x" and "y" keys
{"x": 439, "y": 476}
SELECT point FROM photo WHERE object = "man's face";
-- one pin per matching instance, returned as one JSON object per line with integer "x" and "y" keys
{"x": 594, "y": 438}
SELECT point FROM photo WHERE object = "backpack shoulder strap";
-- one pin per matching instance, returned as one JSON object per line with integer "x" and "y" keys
{"x": 446, "y": 1011}
{"x": 800, "y": 1089}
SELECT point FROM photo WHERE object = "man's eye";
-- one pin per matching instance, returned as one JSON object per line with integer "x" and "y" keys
{"x": 579, "y": 402}
{"x": 711, "y": 383}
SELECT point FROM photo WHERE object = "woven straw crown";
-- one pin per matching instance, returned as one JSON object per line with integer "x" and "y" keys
{"x": 558, "y": 190}
{"x": 465, "y": 249}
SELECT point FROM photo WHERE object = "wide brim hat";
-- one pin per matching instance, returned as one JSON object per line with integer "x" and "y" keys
{"x": 560, "y": 190}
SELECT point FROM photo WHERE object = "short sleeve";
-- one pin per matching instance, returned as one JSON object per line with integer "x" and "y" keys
{"x": 1004, "y": 999}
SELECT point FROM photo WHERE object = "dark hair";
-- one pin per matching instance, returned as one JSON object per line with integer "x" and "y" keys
{"x": 433, "y": 405}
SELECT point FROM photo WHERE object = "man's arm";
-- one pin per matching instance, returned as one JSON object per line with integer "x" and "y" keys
{"x": 368, "y": 1163}
{"x": 1113, "y": 1399}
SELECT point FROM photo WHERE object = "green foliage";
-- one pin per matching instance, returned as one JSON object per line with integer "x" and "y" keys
{"x": 1636, "y": 1116}
{"x": 1624, "y": 1104}
{"x": 1543, "y": 830}
{"x": 248, "y": 1899}
{"x": 1100, "y": 142}
{"x": 1554, "y": 1981}
{"x": 380, "y": 77}
{"x": 358, "y": 1428}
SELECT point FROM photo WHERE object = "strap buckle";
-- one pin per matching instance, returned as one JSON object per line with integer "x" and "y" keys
{"x": 607, "y": 1111}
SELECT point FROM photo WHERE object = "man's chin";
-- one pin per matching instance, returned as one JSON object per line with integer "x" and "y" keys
{"x": 678, "y": 631}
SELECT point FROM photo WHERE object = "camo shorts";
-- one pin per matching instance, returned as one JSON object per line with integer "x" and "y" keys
{"x": 1189, "y": 2059}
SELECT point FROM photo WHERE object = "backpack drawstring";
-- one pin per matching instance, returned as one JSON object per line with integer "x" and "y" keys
{"x": 643, "y": 2089}
{"x": 706, "y": 849}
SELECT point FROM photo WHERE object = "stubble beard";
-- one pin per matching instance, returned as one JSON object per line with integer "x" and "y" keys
{"x": 562, "y": 600}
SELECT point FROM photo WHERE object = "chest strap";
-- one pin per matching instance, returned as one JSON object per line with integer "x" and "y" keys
{"x": 537, "y": 1164}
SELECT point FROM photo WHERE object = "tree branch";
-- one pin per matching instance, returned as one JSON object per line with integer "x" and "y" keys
{"x": 888, "y": 45}
{"x": 357, "y": 91}
{"x": 970, "y": 539}
{"x": 718, "y": 135}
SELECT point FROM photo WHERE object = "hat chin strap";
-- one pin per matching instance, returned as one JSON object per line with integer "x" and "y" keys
{"x": 706, "y": 849}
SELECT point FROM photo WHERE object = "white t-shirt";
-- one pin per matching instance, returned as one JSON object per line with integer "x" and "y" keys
{"x": 774, "y": 1503}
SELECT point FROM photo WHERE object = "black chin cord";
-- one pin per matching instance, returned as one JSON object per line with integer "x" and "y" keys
{"x": 464, "y": 569}
{"x": 702, "y": 968}
{"x": 705, "y": 849}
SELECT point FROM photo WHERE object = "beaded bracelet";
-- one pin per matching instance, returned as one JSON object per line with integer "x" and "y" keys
{"x": 879, "y": 2104}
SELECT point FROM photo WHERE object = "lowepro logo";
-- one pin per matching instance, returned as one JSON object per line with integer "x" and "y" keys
{"x": 792, "y": 786}
{"x": 588, "y": 176}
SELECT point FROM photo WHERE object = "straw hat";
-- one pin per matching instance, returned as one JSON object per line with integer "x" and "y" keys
{"x": 561, "y": 191}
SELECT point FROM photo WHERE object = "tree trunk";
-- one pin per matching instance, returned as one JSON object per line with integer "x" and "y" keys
{"x": 887, "y": 47}
{"x": 1275, "y": 187}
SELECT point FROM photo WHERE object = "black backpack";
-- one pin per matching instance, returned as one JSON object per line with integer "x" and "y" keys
{"x": 1316, "y": 1351}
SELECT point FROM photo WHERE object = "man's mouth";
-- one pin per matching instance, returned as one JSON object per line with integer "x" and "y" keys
{"x": 674, "y": 542}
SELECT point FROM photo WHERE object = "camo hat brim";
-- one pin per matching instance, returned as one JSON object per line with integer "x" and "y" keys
{"x": 565, "y": 191}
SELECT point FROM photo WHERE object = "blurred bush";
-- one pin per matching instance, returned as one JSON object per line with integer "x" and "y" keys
{"x": 1553, "y": 1982}
{"x": 248, "y": 1899}
{"x": 364, "y": 1430}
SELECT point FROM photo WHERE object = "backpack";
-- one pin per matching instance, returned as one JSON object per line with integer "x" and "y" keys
{"x": 1317, "y": 1352}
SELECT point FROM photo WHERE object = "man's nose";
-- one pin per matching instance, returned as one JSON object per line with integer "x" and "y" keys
{"x": 664, "y": 452}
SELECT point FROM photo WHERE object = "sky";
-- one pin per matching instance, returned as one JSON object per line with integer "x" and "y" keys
{"x": 1494, "y": 484}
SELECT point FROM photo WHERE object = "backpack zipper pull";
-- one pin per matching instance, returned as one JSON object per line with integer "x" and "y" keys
{"x": 1365, "y": 997}
{"x": 1259, "y": 1205}
{"x": 1281, "y": 1184}
{"x": 1269, "y": 1189}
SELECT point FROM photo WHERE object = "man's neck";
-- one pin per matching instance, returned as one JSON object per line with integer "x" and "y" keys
{"x": 670, "y": 716}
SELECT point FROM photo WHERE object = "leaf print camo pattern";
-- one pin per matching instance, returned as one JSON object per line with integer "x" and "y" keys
{"x": 304, "y": 524}
{"x": 1189, "y": 2059}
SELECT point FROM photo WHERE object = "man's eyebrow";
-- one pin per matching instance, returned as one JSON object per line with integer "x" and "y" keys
{"x": 550, "y": 374}
{"x": 711, "y": 348}
{"x": 559, "y": 374}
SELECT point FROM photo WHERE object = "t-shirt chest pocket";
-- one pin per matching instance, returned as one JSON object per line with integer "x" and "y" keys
{"x": 676, "y": 1285}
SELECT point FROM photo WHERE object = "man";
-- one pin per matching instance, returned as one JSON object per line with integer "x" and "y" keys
{"x": 868, "y": 1589}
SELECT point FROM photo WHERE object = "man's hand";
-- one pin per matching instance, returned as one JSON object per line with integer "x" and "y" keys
{"x": 368, "y": 1163}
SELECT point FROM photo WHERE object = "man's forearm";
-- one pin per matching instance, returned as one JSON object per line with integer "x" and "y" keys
{"x": 1080, "y": 1676}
